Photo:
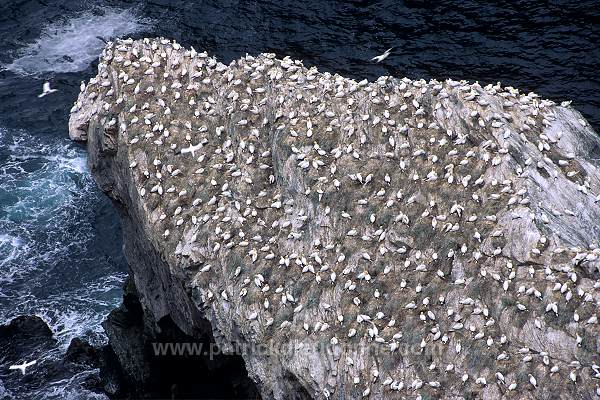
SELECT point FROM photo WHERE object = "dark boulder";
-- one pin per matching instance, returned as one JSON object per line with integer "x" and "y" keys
{"x": 81, "y": 352}
{"x": 24, "y": 336}
{"x": 25, "y": 326}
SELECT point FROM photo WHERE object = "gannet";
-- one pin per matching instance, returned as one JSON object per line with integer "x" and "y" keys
{"x": 22, "y": 367}
{"x": 46, "y": 89}
{"x": 383, "y": 56}
{"x": 191, "y": 149}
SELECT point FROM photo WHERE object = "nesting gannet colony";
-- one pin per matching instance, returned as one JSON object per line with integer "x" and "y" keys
{"x": 389, "y": 239}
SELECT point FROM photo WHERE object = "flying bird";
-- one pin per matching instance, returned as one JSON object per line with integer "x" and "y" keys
{"x": 191, "y": 149}
{"x": 383, "y": 56}
{"x": 22, "y": 367}
{"x": 46, "y": 89}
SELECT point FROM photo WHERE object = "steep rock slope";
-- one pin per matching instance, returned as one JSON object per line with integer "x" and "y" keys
{"x": 381, "y": 239}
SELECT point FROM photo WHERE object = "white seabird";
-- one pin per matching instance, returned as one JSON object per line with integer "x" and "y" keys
{"x": 383, "y": 56}
{"x": 46, "y": 89}
{"x": 191, "y": 149}
{"x": 22, "y": 367}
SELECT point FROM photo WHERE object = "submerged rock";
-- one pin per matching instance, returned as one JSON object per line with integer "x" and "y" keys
{"x": 379, "y": 239}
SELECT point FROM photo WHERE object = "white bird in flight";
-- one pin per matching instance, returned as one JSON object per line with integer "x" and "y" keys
{"x": 191, "y": 149}
{"x": 383, "y": 56}
{"x": 46, "y": 89}
{"x": 22, "y": 367}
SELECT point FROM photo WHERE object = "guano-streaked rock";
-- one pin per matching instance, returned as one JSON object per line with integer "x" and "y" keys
{"x": 382, "y": 239}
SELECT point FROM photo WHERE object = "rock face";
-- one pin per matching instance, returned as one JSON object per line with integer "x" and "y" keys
{"x": 81, "y": 352}
{"x": 131, "y": 367}
{"x": 381, "y": 239}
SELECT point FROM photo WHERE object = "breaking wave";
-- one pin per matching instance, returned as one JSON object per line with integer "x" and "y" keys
{"x": 47, "y": 263}
{"x": 71, "y": 45}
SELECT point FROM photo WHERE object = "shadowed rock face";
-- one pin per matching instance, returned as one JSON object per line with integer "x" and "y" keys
{"x": 135, "y": 364}
{"x": 385, "y": 239}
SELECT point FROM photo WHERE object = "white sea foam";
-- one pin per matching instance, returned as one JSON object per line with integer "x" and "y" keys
{"x": 67, "y": 322}
{"x": 71, "y": 45}
{"x": 70, "y": 388}
{"x": 10, "y": 247}
{"x": 4, "y": 394}
{"x": 46, "y": 226}
{"x": 44, "y": 185}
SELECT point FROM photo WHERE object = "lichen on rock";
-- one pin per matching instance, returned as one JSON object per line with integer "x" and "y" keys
{"x": 354, "y": 239}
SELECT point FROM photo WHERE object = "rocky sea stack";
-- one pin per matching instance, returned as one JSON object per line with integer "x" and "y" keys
{"x": 388, "y": 239}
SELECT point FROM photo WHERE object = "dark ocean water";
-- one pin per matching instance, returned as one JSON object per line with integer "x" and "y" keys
{"x": 60, "y": 241}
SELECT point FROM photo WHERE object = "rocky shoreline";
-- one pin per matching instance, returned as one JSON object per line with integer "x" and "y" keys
{"x": 398, "y": 238}
{"x": 28, "y": 338}
{"x": 131, "y": 350}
